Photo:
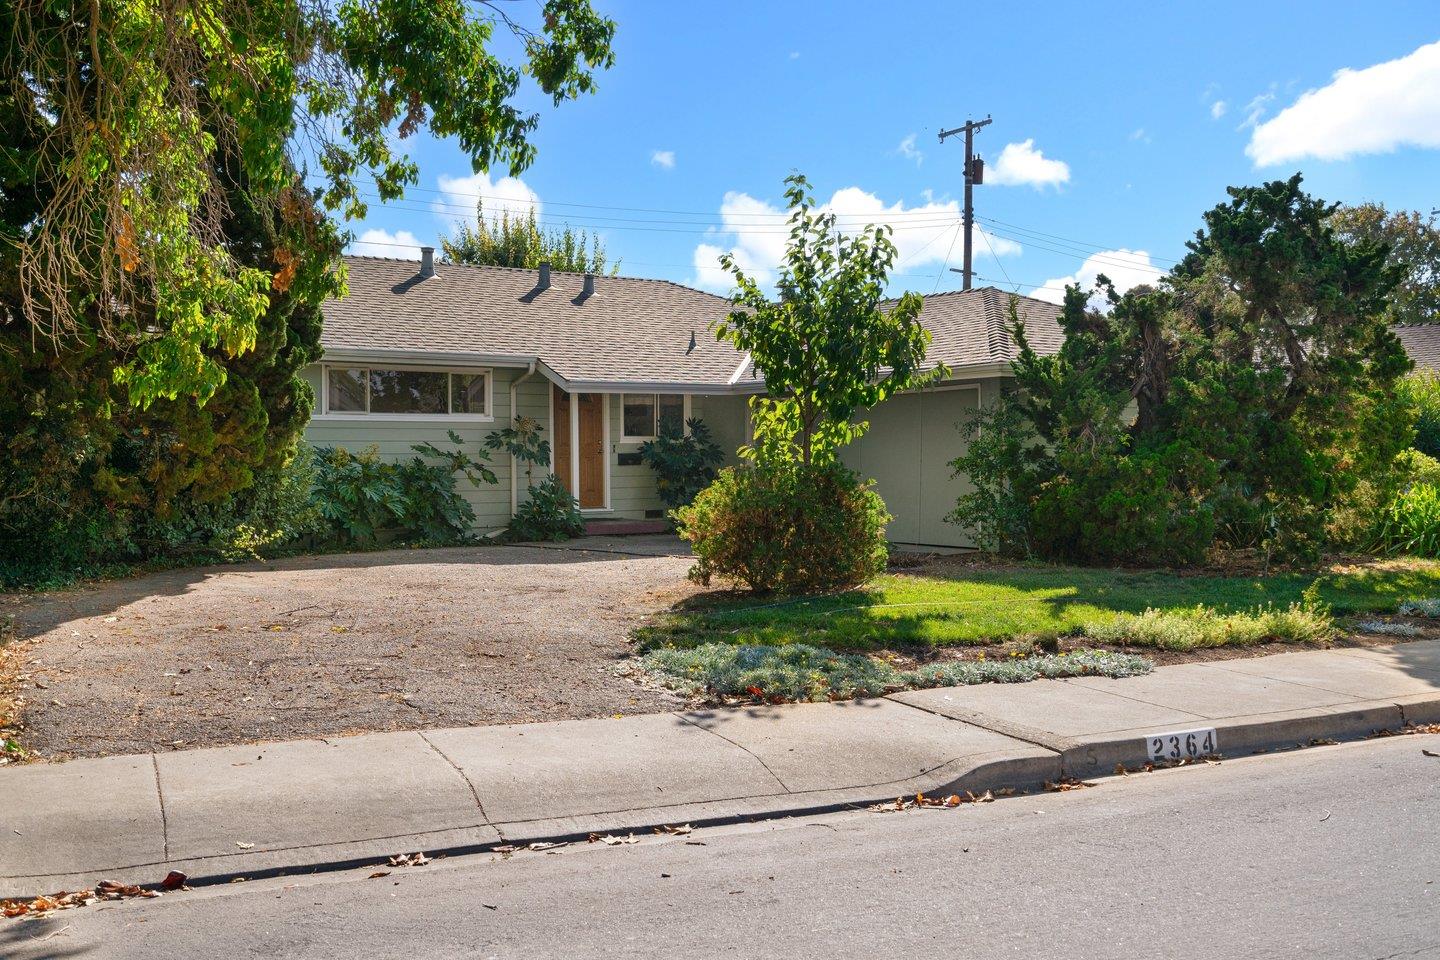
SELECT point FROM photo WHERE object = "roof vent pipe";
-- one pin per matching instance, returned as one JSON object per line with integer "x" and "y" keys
{"x": 544, "y": 283}
{"x": 427, "y": 262}
{"x": 589, "y": 289}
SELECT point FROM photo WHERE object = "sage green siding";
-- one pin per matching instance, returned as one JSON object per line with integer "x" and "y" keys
{"x": 392, "y": 439}
{"x": 907, "y": 452}
{"x": 632, "y": 488}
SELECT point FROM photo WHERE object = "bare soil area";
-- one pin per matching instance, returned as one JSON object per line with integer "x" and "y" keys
{"x": 327, "y": 645}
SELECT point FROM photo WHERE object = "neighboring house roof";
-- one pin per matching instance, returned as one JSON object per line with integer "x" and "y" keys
{"x": 1422, "y": 343}
{"x": 632, "y": 332}
{"x": 970, "y": 328}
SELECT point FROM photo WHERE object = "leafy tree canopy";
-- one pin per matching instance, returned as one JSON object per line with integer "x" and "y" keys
{"x": 118, "y": 112}
{"x": 827, "y": 346}
{"x": 1414, "y": 243}
{"x": 520, "y": 241}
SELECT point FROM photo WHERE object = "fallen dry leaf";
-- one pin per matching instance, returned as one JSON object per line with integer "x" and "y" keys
{"x": 378, "y": 874}
{"x": 680, "y": 830}
{"x": 244, "y": 846}
{"x": 1068, "y": 783}
{"x": 611, "y": 840}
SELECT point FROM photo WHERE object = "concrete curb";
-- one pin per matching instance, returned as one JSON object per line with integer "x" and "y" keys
{"x": 804, "y": 750}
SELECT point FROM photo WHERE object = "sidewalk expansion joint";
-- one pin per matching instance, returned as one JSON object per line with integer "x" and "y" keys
{"x": 752, "y": 753}
{"x": 160, "y": 796}
{"x": 1036, "y": 738}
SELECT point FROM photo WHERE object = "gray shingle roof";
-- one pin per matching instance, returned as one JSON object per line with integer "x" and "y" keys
{"x": 1422, "y": 342}
{"x": 632, "y": 331}
{"x": 971, "y": 327}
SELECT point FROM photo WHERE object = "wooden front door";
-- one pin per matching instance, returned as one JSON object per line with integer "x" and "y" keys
{"x": 591, "y": 444}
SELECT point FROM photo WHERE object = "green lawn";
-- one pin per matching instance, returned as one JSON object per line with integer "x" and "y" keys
{"x": 962, "y": 606}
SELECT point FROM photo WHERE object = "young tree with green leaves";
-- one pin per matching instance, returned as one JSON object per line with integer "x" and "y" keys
{"x": 520, "y": 241}
{"x": 794, "y": 519}
{"x": 826, "y": 345}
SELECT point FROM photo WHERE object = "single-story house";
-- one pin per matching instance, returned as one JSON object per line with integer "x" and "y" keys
{"x": 605, "y": 363}
{"x": 1422, "y": 343}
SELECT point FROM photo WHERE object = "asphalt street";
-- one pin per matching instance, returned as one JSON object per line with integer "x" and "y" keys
{"x": 1331, "y": 852}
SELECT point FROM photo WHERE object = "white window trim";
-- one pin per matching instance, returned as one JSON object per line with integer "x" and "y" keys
{"x": 360, "y": 417}
{"x": 634, "y": 438}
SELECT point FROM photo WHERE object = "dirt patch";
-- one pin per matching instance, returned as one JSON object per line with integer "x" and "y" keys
{"x": 328, "y": 645}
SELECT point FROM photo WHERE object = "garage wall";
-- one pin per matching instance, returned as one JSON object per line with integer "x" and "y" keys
{"x": 907, "y": 451}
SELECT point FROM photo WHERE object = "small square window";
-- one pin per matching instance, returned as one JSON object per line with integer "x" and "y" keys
{"x": 347, "y": 390}
{"x": 467, "y": 393}
{"x": 638, "y": 417}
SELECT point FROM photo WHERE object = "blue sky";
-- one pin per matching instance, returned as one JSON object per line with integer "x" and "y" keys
{"x": 1115, "y": 126}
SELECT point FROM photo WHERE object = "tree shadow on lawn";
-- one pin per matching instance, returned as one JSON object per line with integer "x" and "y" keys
{"x": 949, "y": 606}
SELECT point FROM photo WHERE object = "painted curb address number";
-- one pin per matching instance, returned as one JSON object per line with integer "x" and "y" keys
{"x": 1182, "y": 744}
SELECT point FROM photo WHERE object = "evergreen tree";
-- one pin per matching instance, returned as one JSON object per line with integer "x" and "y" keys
{"x": 520, "y": 241}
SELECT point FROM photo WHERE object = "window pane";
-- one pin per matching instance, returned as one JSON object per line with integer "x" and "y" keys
{"x": 672, "y": 415}
{"x": 347, "y": 390}
{"x": 639, "y": 416}
{"x": 407, "y": 391}
{"x": 467, "y": 393}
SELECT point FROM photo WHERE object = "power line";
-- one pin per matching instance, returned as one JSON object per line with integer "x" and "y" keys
{"x": 678, "y": 226}
{"x": 1078, "y": 245}
{"x": 986, "y": 237}
{"x": 946, "y": 262}
{"x": 779, "y": 216}
{"x": 1089, "y": 257}
{"x": 420, "y": 246}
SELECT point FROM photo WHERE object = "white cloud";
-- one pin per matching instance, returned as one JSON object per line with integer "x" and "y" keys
{"x": 909, "y": 151}
{"x": 1139, "y": 135}
{"x": 1021, "y": 163}
{"x": 664, "y": 159}
{"x": 794, "y": 54}
{"x": 1124, "y": 268}
{"x": 1218, "y": 108}
{"x": 460, "y": 194}
{"x": 755, "y": 234}
{"x": 1373, "y": 110}
{"x": 402, "y": 245}
{"x": 1256, "y": 108}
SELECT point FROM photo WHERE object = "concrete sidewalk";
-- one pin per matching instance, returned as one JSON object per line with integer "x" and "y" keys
{"x": 294, "y": 806}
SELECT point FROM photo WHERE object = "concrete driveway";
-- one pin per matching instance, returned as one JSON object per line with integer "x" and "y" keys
{"x": 325, "y": 645}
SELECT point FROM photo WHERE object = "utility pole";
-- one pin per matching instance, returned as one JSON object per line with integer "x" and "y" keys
{"x": 974, "y": 173}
